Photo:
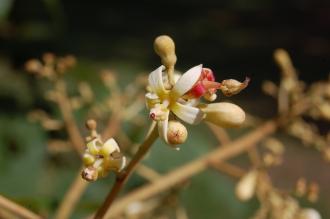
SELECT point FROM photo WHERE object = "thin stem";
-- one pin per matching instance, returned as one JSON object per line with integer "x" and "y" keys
{"x": 186, "y": 171}
{"x": 71, "y": 197}
{"x": 229, "y": 169}
{"x": 170, "y": 73}
{"x": 66, "y": 110}
{"x": 17, "y": 209}
{"x": 123, "y": 176}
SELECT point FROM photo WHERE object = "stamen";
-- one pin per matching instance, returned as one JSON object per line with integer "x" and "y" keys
{"x": 211, "y": 84}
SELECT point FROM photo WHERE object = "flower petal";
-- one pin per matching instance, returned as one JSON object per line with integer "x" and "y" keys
{"x": 189, "y": 114}
{"x": 109, "y": 147}
{"x": 163, "y": 126}
{"x": 156, "y": 81}
{"x": 151, "y": 100}
{"x": 223, "y": 114}
{"x": 186, "y": 82}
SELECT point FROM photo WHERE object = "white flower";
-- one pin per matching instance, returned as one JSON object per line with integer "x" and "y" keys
{"x": 100, "y": 158}
{"x": 183, "y": 98}
{"x": 161, "y": 101}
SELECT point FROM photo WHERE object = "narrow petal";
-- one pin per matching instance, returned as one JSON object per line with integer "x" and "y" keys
{"x": 109, "y": 147}
{"x": 223, "y": 114}
{"x": 151, "y": 100}
{"x": 186, "y": 82}
{"x": 189, "y": 114}
{"x": 163, "y": 126}
{"x": 156, "y": 81}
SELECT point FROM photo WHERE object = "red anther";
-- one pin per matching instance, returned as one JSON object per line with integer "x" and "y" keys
{"x": 152, "y": 115}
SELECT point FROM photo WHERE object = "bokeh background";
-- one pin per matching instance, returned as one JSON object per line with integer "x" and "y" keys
{"x": 234, "y": 38}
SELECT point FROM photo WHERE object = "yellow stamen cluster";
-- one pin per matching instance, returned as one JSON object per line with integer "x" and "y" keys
{"x": 101, "y": 158}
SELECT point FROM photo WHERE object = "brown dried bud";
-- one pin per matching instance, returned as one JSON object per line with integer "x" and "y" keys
{"x": 177, "y": 133}
{"x": 231, "y": 87}
{"x": 90, "y": 174}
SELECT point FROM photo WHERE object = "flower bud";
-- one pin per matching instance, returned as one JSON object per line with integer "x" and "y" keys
{"x": 223, "y": 114}
{"x": 91, "y": 124}
{"x": 231, "y": 86}
{"x": 245, "y": 188}
{"x": 90, "y": 174}
{"x": 88, "y": 159}
{"x": 309, "y": 213}
{"x": 176, "y": 133}
{"x": 165, "y": 48}
{"x": 33, "y": 66}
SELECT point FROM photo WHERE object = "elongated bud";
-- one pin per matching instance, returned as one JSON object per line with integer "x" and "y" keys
{"x": 176, "y": 133}
{"x": 231, "y": 87}
{"x": 245, "y": 188}
{"x": 309, "y": 213}
{"x": 223, "y": 114}
{"x": 283, "y": 60}
{"x": 165, "y": 48}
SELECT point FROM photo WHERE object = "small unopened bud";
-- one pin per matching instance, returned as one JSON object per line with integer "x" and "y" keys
{"x": 309, "y": 213}
{"x": 33, "y": 66}
{"x": 313, "y": 194}
{"x": 231, "y": 86}
{"x": 223, "y": 114}
{"x": 90, "y": 174}
{"x": 48, "y": 58}
{"x": 245, "y": 188}
{"x": 301, "y": 187}
{"x": 165, "y": 48}
{"x": 177, "y": 133}
{"x": 70, "y": 61}
{"x": 91, "y": 124}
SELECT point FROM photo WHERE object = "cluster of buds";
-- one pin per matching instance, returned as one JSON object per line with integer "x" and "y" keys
{"x": 50, "y": 66}
{"x": 311, "y": 190}
{"x": 172, "y": 96}
{"x": 100, "y": 158}
{"x": 274, "y": 203}
{"x": 274, "y": 152}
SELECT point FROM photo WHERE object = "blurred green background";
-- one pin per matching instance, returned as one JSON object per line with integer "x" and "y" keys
{"x": 234, "y": 38}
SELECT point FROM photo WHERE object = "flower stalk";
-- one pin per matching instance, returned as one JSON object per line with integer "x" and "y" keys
{"x": 122, "y": 177}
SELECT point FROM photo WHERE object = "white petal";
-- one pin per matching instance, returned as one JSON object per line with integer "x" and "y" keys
{"x": 156, "y": 81}
{"x": 163, "y": 126}
{"x": 110, "y": 146}
{"x": 186, "y": 82}
{"x": 151, "y": 100}
{"x": 189, "y": 114}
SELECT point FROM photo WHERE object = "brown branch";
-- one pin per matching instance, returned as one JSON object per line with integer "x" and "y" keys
{"x": 220, "y": 133}
{"x": 229, "y": 169}
{"x": 17, "y": 209}
{"x": 66, "y": 110}
{"x": 186, "y": 171}
{"x": 124, "y": 175}
{"x": 71, "y": 198}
